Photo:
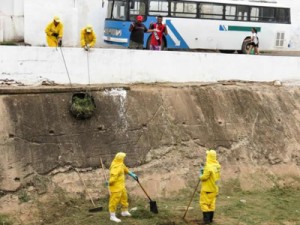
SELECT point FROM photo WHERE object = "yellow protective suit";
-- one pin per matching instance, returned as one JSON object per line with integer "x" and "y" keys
{"x": 209, "y": 187}
{"x": 87, "y": 38}
{"x": 50, "y": 30}
{"x": 118, "y": 193}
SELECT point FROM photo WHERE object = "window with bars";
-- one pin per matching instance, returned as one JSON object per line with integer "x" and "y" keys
{"x": 279, "y": 39}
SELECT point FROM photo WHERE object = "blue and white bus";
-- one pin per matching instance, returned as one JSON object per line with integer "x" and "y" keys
{"x": 223, "y": 25}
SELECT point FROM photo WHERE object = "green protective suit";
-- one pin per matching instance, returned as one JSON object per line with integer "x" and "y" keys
{"x": 118, "y": 193}
{"x": 53, "y": 33}
{"x": 209, "y": 178}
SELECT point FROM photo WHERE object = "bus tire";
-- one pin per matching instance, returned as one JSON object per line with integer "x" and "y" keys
{"x": 246, "y": 45}
{"x": 227, "y": 51}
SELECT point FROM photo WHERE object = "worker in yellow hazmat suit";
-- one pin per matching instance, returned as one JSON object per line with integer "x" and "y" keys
{"x": 54, "y": 32}
{"x": 118, "y": 193}
{"x": 209, "y": 176}
{"x": 87, "y": 37}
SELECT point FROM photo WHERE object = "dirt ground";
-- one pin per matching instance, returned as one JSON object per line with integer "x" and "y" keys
{"x": 274, "y": 207}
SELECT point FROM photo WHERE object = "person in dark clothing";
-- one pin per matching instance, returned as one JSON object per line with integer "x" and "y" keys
{"x": 137, "y": 30}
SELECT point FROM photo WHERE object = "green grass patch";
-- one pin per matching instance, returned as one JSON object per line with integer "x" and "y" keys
{"x": 8, "y": 43}
{"x": 23, "y": 196}
{"x": 4, "y": 220}
{"x": 274, "y": 207}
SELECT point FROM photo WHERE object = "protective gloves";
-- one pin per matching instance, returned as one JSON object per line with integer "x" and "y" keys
{"x": 133, "y": 175}
{"x": 87, "y": 47}
{"x": 55, "y": 35}
{"x": 201, "y": 171}
{"x": 59, "y": 42}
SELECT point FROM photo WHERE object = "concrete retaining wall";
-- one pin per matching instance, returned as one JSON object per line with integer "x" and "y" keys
{"x": 31, "y": 65}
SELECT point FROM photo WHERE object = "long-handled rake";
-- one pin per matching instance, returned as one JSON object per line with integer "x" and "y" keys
{"x": 104, "y": 174}
{"x": 187, "y": 208}
{"x": 95, "y": 209}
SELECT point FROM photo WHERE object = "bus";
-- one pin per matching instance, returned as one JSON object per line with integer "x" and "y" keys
{"x": 223, "y": 25}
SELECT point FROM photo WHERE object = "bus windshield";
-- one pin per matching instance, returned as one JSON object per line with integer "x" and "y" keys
{"x": 116, "y": 10}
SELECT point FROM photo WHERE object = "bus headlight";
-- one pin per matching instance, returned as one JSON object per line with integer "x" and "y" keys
{"x": 112, "y": 32}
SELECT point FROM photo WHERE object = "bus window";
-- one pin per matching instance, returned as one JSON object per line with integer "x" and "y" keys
{"x": 137, "y": 8}
{"x": 282, "y": 15}
{"x": 230, "y": 12}
{"x": 242, "y": 12}
{"x": 157, "y": 8}
{"x": 254, "y": 13}
{"x": 183, "y": 9}
{"x": 267, "y": 14}
{"x": 211, "y": 11}
{"x": 116, "y": 10}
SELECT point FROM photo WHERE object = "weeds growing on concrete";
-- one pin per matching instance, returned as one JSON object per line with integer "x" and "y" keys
{"x": 82, "y": 107}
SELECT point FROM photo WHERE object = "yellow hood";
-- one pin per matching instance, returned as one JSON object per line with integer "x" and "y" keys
{"x": 211, "y": 157}
{"x": 118, "y": 160}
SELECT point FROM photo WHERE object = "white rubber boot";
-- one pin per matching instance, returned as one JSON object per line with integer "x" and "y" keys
{"x": 125, "y": 213}
{"x": 114, "y": 218}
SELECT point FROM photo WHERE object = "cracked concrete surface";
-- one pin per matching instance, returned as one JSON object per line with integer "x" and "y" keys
{"x": 163, "y": 128}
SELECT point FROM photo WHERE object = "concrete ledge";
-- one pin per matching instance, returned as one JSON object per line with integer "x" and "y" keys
{"x": 32, "y": 65}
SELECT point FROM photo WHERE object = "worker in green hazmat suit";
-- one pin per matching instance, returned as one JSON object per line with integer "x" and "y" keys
{"x": 209, "y": 176}
{"x": 54, "y": 32}
{"x": 118, "y": 193}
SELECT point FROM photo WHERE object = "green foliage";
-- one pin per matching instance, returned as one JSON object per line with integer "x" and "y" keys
{"x": 40, "y": 183}
{"x": 23, "y": 196}
{"x": 8, "y": 43}
{"x": 4, "y": 220}
{"x": 82, "y": 108}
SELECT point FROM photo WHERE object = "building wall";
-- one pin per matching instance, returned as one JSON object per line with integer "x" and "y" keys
{"x": 75, "y": 14}
{"x": 11, "y": 20}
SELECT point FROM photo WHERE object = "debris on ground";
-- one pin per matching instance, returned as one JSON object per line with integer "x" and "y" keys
{"x": 10, "y": 82}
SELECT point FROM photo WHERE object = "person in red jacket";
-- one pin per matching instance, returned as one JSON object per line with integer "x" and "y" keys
{"x": 159, "y": 30}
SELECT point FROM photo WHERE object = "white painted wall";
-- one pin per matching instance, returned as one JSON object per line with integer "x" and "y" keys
{"x": 11, "y": 20}
{"x": 295, "y": 12}
{"x": 75, "y": 14}
{"x": 32, "y": 65}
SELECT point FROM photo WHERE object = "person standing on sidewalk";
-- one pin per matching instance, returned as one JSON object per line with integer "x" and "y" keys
{"x": 254, "y": 42}
{"x": 159, "y": 29}
{"x": 137, "y": 30}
